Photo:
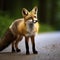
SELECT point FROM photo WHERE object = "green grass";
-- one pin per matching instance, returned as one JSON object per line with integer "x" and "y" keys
{"x": 5, "y": 21}
{"x": 45, "y": 28}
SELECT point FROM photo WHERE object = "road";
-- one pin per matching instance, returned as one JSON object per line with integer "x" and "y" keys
{"x": 47, "y": 45}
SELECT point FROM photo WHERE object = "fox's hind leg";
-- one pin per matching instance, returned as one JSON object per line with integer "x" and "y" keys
{"x": 19, "y": 38}
{"x": 13, "y": 49}
{"x": 16, "y": 46}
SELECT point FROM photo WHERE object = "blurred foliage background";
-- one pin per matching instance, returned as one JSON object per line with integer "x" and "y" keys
{"x": 48, "y": 13}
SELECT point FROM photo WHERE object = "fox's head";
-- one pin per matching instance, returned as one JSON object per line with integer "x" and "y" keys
{"x": 30, "y": 18}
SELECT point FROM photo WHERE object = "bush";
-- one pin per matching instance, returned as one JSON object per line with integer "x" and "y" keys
{"x": 5, "y": 21}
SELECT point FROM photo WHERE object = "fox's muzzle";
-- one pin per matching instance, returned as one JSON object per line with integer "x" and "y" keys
{"x": 34, "y": 21}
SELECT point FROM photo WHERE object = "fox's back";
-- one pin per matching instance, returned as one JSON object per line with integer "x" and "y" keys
{"x": 14, "y": 26}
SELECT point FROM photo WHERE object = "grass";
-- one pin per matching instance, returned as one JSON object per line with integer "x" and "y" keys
{"x": 45, "y": 28}
{"x": 5, "y": 22}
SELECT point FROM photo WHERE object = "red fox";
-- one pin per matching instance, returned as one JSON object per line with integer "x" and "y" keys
{"x": 27, "y": 26}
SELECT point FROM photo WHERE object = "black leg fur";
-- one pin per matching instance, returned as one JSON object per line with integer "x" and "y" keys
{"x": 27, "y": 46}
{"x": 33, "y": 45}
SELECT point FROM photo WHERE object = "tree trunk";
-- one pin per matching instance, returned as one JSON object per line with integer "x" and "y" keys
{"x": 42, "y": 10}
{"x": 53, "y": 12}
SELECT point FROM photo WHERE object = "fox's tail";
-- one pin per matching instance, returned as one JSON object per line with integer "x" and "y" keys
{"x": 7, "y": 39}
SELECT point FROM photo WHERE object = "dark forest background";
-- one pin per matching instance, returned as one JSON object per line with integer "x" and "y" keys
{"x": 48, "y": 13}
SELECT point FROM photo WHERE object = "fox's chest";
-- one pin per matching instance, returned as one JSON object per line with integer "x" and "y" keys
{"x": 30, "y": 34}
{"x": 30, "y": 30}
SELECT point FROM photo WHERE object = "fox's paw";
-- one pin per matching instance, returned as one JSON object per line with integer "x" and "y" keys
{"x": 13, "y": 51}
{"x": 27, "y": 53}
{"x": 18, "y": 50}
{"x": 35, "y": 52}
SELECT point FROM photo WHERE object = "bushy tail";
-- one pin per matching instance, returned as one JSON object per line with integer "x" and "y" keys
{"x": 7, "y": 39}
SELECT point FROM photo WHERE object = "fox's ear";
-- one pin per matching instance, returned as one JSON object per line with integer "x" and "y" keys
{"x": 35, "y": 10}
{"x": 25, "y": 12}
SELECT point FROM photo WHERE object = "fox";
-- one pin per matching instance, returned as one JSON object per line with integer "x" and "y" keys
{"x": 26, "y": 27}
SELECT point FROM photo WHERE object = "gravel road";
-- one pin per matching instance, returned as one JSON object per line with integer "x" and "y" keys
{"x": 47, "y": 45}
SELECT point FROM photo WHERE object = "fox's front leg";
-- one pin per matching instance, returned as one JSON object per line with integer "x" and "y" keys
{"x": 33, "y": 45}
{"x": 27, "y": 46}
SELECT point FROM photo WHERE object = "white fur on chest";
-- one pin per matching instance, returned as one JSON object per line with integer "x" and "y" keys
{"x": 30, "y": 30}
{"x": 30, "y": 34}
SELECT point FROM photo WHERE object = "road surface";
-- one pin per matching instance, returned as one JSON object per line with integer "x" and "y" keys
{"x": 47, "y": 45}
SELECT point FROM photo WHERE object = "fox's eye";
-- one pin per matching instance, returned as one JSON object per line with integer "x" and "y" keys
{"x": 35, "y": 17}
